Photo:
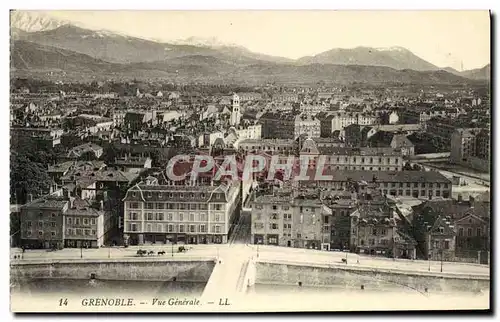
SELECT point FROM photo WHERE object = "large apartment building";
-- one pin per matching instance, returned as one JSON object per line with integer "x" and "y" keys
{"x": 189, "y": 214}
{"x": 416, "y": 184}
{"x": 288, "y": 221}
{"x": 471, "y": 147}
{"x": 340, "y": 158}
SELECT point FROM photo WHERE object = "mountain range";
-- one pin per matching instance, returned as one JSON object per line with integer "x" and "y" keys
{"x": 42, "y": 43}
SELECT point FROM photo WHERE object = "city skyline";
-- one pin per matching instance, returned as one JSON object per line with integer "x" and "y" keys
{"x": 458, "y": 39}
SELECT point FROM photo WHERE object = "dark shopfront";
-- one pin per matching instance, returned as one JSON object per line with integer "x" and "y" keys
{"x": 42, "y": 244}
{"x": 75, "y": 243}
{"x": 175, "y": 239}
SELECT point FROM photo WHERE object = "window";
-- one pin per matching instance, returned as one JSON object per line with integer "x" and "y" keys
{"x": 159, "y": 228}
{"x": 446, "y": 244}
{"x": 441, "y": 230}
{"x": 192, "y": 228}
{"x": 273, "y": 226}
{"x": 134, "y": 205}
{"x": 202, "y": 229}
{"x": 478, "y": 232}
{"x": 285, "y": 207}
{"x": 40, "y": 224}
{"x": 217, "y": 217}
{"x": 85, "y": 221}
{"x": 92, "y": 221}
{"x": 374, "y": 231}
{"x": 217, "y": 229}
{"x": 191, "y": 217}
{"x": 170, "y": 216}
{"x": 53, "y": 215}
{"x": 28, "y": 223}
{"x": 69, "y": 221}
{"x": 133, "y": 227}
{"x": 170, "y": 228}
{"x": 275, "y": 207}
{"x": 40, "y": 233}
{"x": 86, "y": 232}
{"x": 181, "y": 228}
{"x": 460, "y": 232}
{"x": 52, "y": 224}
{"x": 469, "y": 232}
{"x": 53, "y": 233}
{"x": 182, "y": 206}
{"x": 149, "y": 216}
{"x": 149, "y": 205}
{"x": 274, "y": 216}
{"x": 159, "y": 216}
{"x": 94, "y": 232}
{"x": 160, "y": 206}
{"x": 149, "y": 228}
{"x": 203, "y": 217}
{"x": 181, "y": 217}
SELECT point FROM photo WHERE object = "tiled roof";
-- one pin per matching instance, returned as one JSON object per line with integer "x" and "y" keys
{"x": 382, "y": 176}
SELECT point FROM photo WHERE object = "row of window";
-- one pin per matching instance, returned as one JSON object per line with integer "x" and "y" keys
{"x": 171, "y": 228}
{"x": 272, "y": 226}
{"x": 29, "y": 224}
{"x": 177, "y": 206}
{"x": 273, "y": 207}
{"x": 83, "y": 221}
{"x": 469, "y": 232}
{"x": 192, "y": 195}
{"x": 80, "y": 231}
{"x": 330, "y": 160}
{"x": 371, "y": 242}
{"x": 40, "y": 233}
{"x": 415, "y": 194}
{"x": 159, "y": 216}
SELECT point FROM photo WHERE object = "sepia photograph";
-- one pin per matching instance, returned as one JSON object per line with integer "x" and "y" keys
{"x": 250, "y": 161}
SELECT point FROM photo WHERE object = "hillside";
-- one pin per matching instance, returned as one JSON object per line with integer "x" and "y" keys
{"x": 394, "y": 57}
{"x": 28, "y": 57}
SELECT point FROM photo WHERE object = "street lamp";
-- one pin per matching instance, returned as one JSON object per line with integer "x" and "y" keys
{"x": 441, "y": 260}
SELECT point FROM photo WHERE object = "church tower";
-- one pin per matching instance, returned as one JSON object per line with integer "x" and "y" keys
{"x": 235, "y": 110}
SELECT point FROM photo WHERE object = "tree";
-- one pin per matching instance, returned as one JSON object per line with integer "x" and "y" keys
{"x": 27, "y": 177}
{"x": 416, "y": 167}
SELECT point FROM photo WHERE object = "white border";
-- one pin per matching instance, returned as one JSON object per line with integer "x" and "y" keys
{"x": 189, "y": 5}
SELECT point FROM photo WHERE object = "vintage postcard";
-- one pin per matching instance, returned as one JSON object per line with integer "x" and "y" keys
{"x": 249, "y": 161}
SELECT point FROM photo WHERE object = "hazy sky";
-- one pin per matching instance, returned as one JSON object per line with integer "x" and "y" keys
{"x": 444, "y": 38}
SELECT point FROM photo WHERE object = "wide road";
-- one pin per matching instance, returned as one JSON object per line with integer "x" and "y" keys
{"x": 263, "y": 252}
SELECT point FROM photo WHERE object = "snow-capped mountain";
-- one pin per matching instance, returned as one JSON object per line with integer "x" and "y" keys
{"x": 32, "y": 21}
{"x": 393, "y": 48}
{"x": 212, "y": 42}
{"x": 394, "y": 57}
